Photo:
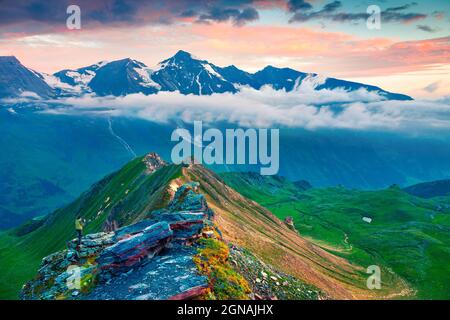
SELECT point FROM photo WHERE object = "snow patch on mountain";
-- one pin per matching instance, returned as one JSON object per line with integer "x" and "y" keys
{"x": 55, "y": 83}
{"x": 311, "y": 82}
{"x": 146, "y": 80}
{"x": 81, "y": 78}
{"x": 212, "y": 72}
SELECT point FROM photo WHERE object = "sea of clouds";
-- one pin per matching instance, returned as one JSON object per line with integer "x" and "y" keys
{"x": 303, "y": 108}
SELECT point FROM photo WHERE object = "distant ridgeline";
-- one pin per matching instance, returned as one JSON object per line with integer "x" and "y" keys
{"x": 182, "y": 72}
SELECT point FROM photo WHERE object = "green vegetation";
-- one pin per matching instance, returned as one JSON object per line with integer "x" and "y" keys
{"x": 407, "y": 235}
{"x": 212, "y": 261}
{"x": 119, "y": 199}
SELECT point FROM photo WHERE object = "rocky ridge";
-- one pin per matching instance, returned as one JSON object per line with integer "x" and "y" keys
{"x": 127, "y": 263}
{"x": 176, "y": 253}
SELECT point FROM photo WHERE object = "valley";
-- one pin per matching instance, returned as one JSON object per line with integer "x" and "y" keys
{"x": 407, "y": 235}
{"x": 49, "y": 159}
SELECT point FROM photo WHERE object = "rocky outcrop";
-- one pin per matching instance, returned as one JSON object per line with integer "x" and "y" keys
{"x": 176, "y": 253}
{"x": 135, "y": 248}
{"x": 170, "y": 275}
{"x": 151, "y": 259}
{"x": 187, "y": 198}
{"x": 289, "y": 221}
{"x": 153, "y": 162}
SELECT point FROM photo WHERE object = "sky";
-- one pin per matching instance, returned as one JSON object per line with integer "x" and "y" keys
{"x": 409, "y": 52}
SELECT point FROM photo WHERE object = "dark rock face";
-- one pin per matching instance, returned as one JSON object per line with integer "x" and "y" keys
{"x": 189, "y": 75}
{"x": 186, "y": 226}
{"x": 186, "y": 214}
{"x": 278, "y": 78}
{"x": 92, "y": 244}
{"x": 135, "y": 248}
{"x": 151, "y": 259}
{"x": 123, "y": 77}
{"x": 187, "y": 199}
{"x": 15, "y": 79}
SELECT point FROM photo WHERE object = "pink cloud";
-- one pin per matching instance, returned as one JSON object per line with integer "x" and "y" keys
{"x": 251, "y": 47}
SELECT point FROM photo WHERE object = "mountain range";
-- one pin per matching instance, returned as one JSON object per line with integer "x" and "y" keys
{"x": 182, "y": 72}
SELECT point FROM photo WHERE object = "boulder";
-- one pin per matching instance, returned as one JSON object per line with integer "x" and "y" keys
{"x": 134, "y": 249}
{"x": 186, "y": 198}
{"x": 186, "y": 226}
{"x": 92, "y": 244}
{"x": 135, "y": 228}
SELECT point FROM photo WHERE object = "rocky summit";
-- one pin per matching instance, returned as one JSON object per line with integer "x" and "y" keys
{"x": 153, "y": 162}
{"x": 151, "y": 259}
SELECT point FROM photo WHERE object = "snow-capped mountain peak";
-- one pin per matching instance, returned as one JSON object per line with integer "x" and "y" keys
{"x": 75, "y": 81}
{"x": 16, "y": 80}
{"x": 182, "y": 72}
{"x": 190, "y": 75}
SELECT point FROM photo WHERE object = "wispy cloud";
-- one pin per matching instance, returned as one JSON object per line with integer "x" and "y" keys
{"x": 334, "y": 11}
{"x": 426, "y": 28}
{"x": 55, "y": 40}
{"x": 432, "y": 87}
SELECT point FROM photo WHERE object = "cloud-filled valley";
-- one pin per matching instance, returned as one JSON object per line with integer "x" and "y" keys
{"x": 302, "y": 108}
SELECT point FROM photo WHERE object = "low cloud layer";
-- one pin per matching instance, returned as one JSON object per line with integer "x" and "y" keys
{"x": 268, "y": 108}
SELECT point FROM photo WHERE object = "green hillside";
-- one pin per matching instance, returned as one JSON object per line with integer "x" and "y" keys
{"x": 408, "y": 235}
{"x": 129, "y": 190}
